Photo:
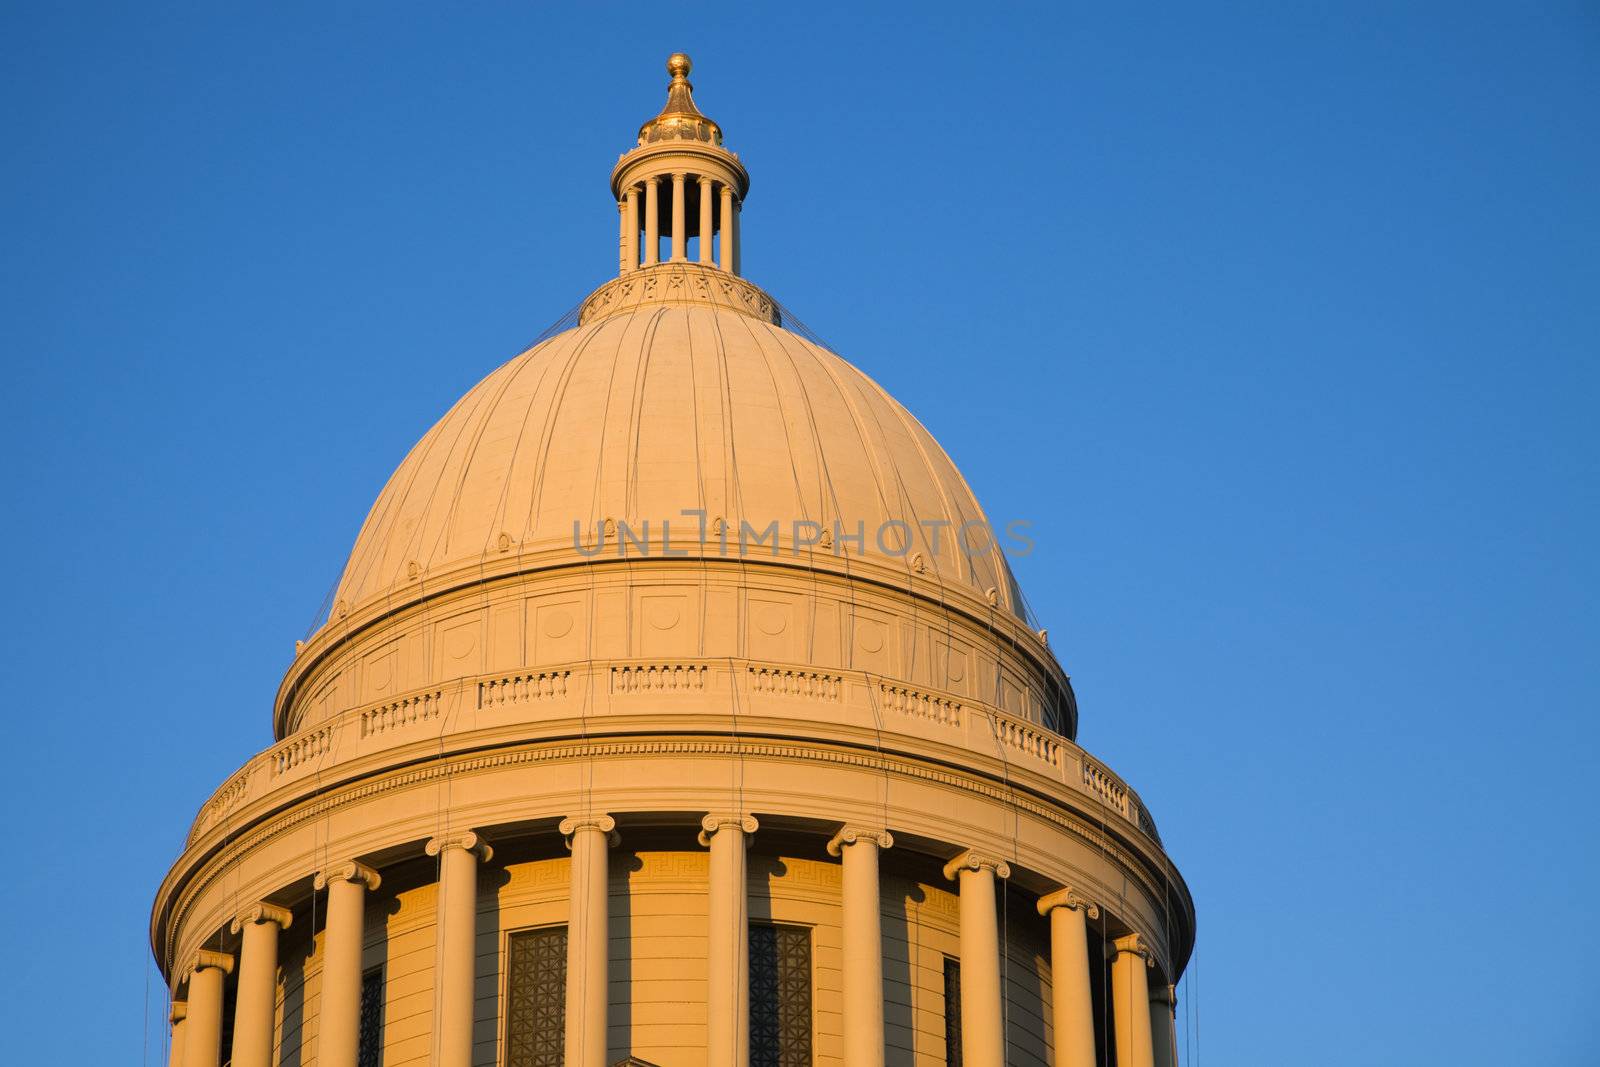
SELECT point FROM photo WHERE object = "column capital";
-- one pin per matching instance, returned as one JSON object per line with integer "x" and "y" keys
{"x": 205, "y": 957}
{"x": 849, "y": 835}
{"x": 1165, "y": 995}
{"x": 973, "y": 860}
{"x": 706, "y": 179}
{"x": 680, "y": 175}
{"x": 348, "y": 871}
{"x": 1134, "y": 945}
{"x": 599, "y": 820}
{"x": 180, "y": 1011}
{"x": 733, "y": 820}
{"x": 261, "y": 912}
{"x": 1067, "y": 897}
{"x": 466, "y": 840}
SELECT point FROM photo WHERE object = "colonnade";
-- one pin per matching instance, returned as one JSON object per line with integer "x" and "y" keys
{"x": 724, "y": 223}
{"x": 1143, "y": 1018}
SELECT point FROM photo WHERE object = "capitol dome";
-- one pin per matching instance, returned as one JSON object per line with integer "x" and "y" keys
{"x": 676, "y": 706}
{"x": 668, "y": 405}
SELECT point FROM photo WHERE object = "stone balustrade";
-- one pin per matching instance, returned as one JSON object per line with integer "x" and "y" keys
{"x": 908, "y": 716}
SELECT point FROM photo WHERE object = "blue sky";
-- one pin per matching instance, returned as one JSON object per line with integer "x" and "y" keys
{"x": 1279, "y": 322}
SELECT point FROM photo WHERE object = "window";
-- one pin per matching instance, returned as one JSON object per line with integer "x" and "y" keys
{"x": 780, "y": 995}
{"x": 536, "y": 997}
{"x": 952, "y": 1012}
{"x": 369, "y": 1025}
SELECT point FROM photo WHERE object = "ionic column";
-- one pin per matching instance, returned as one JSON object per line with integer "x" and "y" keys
{"x": 725, "y": 252}
{"x": 858, "y": 850}
{"x": 180, "y": 1012}
{"x": 455, "y": 966}
{"x": 982, "y": 1028}
{"x": 1163, "y": 1029}
{"x": 727, "y": 941}
{"x": 339, "y": 1018}
{"x": 737, "y": 208}
{"x": 630, "y": 229}
{"x": 705, "y": 219}
{"x": 257, "y": 995}
{"x": 680, "y": 219}
{"x": 652, "y": 221}
{"x": 1131, "y": 958}
{"x": 202, "y": 1043}
{"x": 1072, "y": 1013}
{"x": 588, "y": 937}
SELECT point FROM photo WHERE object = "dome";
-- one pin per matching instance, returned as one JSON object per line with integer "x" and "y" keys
{"x": 633, "y": 425}
{"x": 673, "y": 673}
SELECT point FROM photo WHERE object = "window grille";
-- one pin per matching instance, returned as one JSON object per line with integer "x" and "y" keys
{"x": 952, "y": 1012}
{"x": 536, "y": 998}
{"x": 780, "y": 995}
{"x": 369, "y": 1027}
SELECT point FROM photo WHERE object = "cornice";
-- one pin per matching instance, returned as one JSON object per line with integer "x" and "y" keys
{"x": 187, "y": 881}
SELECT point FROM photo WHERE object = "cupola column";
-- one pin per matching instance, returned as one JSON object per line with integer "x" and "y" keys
{"x": 680, "y": 218}
{"x": 727, "y": 941}
{"x": 652, "y": 221}
{"x": 590, "y": 838}
{"x": 1163, "y": 1031}
{"x": 858, "y": 849}
{"x": 257, "y": 995}
{"x": 734, "y": 220}
{"x": 982, "y": 1031}
{"x": 340, "y": 1017}
{"x": 630, "y": 225}
{"x": 705, "y": 218}
{"x": 726, "y": 251}
{"x": 1072, "y": 1012}
{"x": 202, "y": 1044}
{"x": 455, "y": 961}
{"x": 1131, "y": 961}
{"x": 180, "y": 1013}
{"x": 622, "y": 237}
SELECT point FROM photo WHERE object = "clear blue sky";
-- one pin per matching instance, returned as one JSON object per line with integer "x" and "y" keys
{"x": 1279, "y": 321}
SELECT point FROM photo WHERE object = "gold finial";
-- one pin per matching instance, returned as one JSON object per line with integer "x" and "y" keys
{"x": 680, "y": 119}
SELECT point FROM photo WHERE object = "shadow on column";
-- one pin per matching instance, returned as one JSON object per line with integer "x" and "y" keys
{"x": 492, "y": 877}
{"x": 619, "y": 997}
{"x": 902, "y": 942}
{"x": 291, "y": 1030}
{"x": 1027, "y": 1006}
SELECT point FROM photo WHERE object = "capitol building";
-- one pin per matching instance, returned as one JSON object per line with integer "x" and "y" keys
{"x": 676, "y": 707}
